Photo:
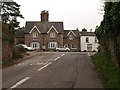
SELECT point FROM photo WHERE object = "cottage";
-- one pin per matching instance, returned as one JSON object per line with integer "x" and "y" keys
{"x": 88, "y": 41}
{"x": 44, "y": 34}
{"x": 72, "y": 39}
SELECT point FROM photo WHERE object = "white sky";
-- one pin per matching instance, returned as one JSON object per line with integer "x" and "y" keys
{"x": 74, "y": 13}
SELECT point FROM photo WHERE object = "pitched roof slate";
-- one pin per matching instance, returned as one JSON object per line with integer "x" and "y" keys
{"x": 43, "y": 26}
{"x": 84, "y": 33}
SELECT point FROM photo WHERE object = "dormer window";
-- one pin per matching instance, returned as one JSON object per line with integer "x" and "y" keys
{"x": 52, "y": 35}
{"x": 35, "y": 35}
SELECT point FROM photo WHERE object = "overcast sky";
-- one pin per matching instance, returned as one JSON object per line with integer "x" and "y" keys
{"x": 74, "y": 13}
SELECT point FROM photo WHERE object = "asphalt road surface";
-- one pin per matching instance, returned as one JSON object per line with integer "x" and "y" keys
{"x": 53, "y": 70}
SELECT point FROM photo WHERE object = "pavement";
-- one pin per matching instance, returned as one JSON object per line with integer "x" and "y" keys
{"x": 53, "y": 70}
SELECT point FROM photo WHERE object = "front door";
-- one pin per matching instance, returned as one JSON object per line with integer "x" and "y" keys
{"x": 89, "y": 47}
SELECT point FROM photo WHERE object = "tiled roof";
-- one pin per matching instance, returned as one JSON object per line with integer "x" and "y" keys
{"x": 43, "y": 26}
{"x": 76, "y": 32}
{"x": 66, "y": 32}
{"x": 20, "y": 33}
{"x": 84, "y": 33}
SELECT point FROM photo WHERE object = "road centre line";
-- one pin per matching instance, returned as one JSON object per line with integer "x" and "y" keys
{"x": 44, "y": 66}
{"x": 20, "y": 82}
{"x": 56, "y": 58}
{"x": 62, "y": 54}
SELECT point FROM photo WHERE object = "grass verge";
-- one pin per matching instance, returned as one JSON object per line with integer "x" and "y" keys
{"x": 107, "y": 71}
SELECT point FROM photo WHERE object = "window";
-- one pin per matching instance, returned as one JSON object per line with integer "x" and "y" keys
{"x": 87, "y": 39}
{"x": 52, "y": 35}
{"x": 73, "y": 46}
{"x": 35, "y": 35}
{"x": 35, "y": 45}
{"x": 52, "y": 45}
{"x": 71, "y": 37}
{"x": 95, "y": 40}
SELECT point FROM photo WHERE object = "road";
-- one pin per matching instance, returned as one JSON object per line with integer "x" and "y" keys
{"x": 53, "y": 70}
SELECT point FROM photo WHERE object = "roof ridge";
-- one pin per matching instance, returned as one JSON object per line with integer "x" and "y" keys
{"x": 55, "y": 21}
{"x": 48, "y": 22}
{"x": 33, "y": 21}
{"x": 67, "y": 30}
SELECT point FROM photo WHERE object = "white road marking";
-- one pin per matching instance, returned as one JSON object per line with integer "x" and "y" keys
{"x": 44, "y": 66}
{"x": 39, "y": 63}
{"x": 42, "y": 63}
{"x": 56, "y": 58}
{"x": 62, "y": 55}
{"x": 23, "y": 63}
{"x": 31, "y": 64}
{"x": 20, "y": 82}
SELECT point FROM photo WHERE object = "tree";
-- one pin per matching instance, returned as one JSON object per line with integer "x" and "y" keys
{"x": 109, "y": 31}
{"x": 10, "y": 11}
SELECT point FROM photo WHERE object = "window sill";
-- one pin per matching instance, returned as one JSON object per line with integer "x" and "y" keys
{"x": 52, "y": 37}
{"x": 73, "y": 48}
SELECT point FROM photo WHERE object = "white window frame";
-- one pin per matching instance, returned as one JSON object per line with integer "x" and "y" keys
{"x": 35, "y": 45}
{"x": 70, "y": 37}
{"x": 73, "y": 47}
{"x": 52, "y": 35}
{"x": 95, "y": 40}
{"x": 52, "y": 45}
{"x": 86, "y": 40}
{"x": 35, "y": 35}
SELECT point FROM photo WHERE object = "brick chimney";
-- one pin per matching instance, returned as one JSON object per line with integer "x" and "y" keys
{"x": 44, "y": 16}
{"x": 84, "y": 30}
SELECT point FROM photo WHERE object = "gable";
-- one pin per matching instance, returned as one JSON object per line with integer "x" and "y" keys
{"x": 71, "y": 32}
{"x": 35, "y": 27}
{"x": 52, "y": 28}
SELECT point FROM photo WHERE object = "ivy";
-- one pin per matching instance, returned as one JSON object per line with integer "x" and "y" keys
{"x": 109, "y": 28}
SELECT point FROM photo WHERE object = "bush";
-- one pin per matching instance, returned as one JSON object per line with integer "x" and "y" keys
{"x": 21, "y": 49}
{"x": 18, "y": 52}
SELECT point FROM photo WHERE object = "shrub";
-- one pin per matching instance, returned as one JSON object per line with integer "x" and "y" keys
{"x": 18, "y": 52}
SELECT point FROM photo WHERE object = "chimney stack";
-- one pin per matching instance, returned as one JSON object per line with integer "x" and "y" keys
{"x": 84, "y": 30}
{"x": 44, "y": 16}
{"x": 90, "y": 30}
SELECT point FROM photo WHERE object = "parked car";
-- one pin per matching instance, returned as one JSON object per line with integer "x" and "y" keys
{"x": 26, "y": 47}
{"x": 63, "y": 49}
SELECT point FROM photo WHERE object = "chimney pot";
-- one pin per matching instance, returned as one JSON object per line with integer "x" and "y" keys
{"x": 44, "y": 15}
